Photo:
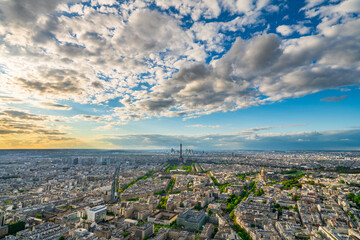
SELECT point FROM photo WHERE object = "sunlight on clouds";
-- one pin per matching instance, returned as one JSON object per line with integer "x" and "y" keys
{"x": 139, "y": 59}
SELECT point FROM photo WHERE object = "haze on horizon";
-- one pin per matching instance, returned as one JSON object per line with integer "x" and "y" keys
{"x": 149, "y": 74}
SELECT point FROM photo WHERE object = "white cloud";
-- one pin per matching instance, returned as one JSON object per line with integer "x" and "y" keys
{"x": 312, "y": 3}
{"x": 348, "y": 6}
{"x": 195, "y": 8}
{"x": 244, "y": 6}
{"x": 106, "y": 2}
{"x": 203, "y": 126}
{"x": 158, "y": 67}
{"x": 87, "y": 117}
{"x": 285, "y": 30}
{"x": 53, "y": 105}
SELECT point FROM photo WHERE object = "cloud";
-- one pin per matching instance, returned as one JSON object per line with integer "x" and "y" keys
{"x": 97, "y": 84}
{"x": 57, "y": 80}
{"x": 345, "y": 89}
{"x": 312, "y": 3}
{"x": 321, "y": 140}
{"x": 169, "y": 60}
{"x": 4, "y": 131}
{"x": 253, "y": 72}
{"x": 284, "y": 30}
{"x": 14, "y": 121}
{"x": 22, "y": 115}
{"x": 287, "y": 30}
{"x": 196, "y": 9}
{"x": 87, "y": 117}
{"x": 8, "y": 99}
{"x": 53, "y": 105}
{"x": 258, "y": 129}
{"x": 333, "y": 99}
{"x": 203, "y": 89}
{"x": 203, "y": 126}
{"x": 20, "y": 12}
{"x": 19, "y": 129}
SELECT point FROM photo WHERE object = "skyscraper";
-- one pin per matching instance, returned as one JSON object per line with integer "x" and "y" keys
{"x": 181, "y": 159}
{"x": 2, "y": 218}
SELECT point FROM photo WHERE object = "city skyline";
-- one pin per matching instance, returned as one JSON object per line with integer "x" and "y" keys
{"x": 212, "y": 75}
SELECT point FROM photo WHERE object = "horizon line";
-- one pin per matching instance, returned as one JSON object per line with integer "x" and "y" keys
{"x": 165, "y": 149}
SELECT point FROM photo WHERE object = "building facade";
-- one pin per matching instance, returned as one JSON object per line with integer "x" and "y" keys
{"x": 192, "y": 220}
{"x": 97, "y": 214}
{"x": 144, "y": 231}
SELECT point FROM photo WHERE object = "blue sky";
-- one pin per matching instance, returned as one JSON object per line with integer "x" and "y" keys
{"x": 149, "y": 74}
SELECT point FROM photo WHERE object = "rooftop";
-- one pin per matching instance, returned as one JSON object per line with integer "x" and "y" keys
{"x": 98, "y": 208}
{"x": 192, "y": 215}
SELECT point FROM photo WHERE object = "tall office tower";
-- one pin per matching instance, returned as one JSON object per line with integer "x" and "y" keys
{"x": 2, "y": 218}
{"x": 181, "y": 159}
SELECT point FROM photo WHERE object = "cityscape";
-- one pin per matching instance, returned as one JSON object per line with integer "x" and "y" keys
{"x": 179, "y": 194}
{"x": 179, "y": 119}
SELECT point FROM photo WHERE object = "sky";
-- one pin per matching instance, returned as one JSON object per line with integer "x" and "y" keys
{"x": 150, "y": 74}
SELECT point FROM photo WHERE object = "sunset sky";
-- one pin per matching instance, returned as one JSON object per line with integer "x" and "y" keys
{"x": 149, "y": 74}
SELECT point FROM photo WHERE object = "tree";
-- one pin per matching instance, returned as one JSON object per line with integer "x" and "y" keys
{"x": 198, "y": 208}
{"x": 230, "y": 207}
{"x": 162, "y": 203}
{"x": 259, "y": 192}
{"x": 16, "y": 227}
